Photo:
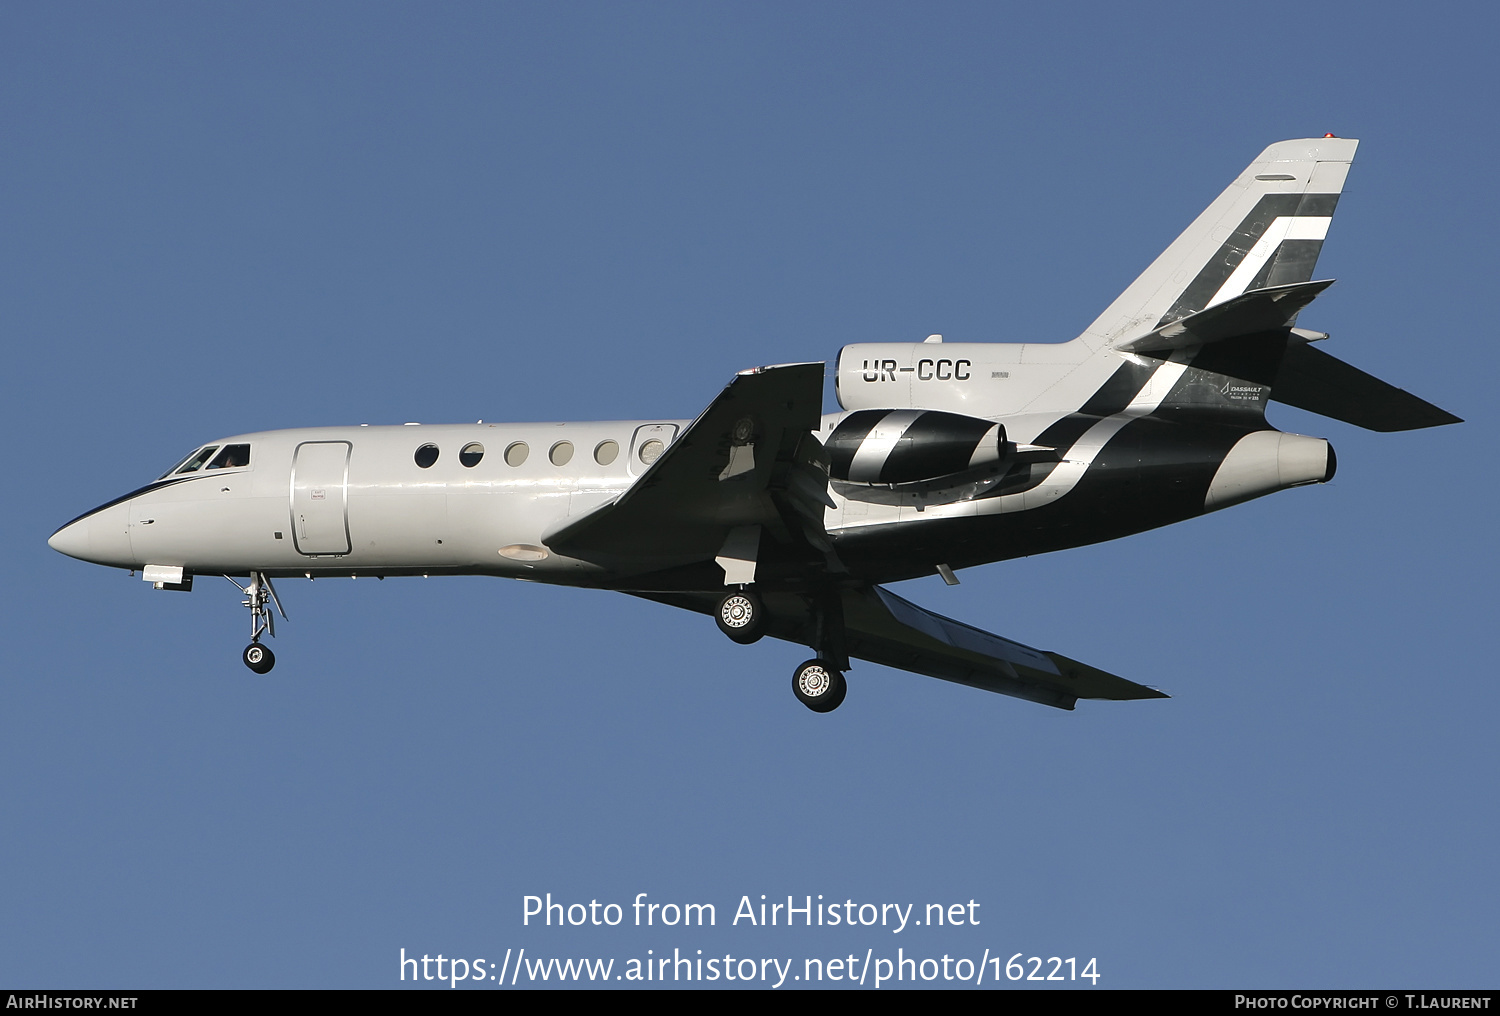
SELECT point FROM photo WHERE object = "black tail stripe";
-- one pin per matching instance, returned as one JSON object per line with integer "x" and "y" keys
{"x": 1121, "y": 389}
{"x": 1227, "y": 258}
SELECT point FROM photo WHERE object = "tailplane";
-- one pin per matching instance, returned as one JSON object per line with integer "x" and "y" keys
{"x": 1311, "y": 379}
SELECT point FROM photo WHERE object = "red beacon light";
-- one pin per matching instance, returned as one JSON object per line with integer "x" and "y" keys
{"x": 1330, "y": 135}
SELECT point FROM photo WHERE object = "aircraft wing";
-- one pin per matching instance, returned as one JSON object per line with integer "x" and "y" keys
{"x": 750, "y": 460}
{"x": 883, "y": 628}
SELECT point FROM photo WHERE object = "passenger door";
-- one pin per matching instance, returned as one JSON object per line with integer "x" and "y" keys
{"x": 320, "y": 497}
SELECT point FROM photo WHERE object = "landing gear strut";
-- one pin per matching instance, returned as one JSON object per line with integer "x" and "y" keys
{"x": 258, "y": 593}
{"x": 819, "y": 684}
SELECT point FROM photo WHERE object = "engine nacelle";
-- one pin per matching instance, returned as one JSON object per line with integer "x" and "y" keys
{"x": 900, "y": 446}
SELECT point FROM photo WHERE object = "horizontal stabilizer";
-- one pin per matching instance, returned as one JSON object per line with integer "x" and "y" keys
{"x": 1311, "y": 379}
{"x": 1260, "y": 310}
{"x": 883, "y": 628}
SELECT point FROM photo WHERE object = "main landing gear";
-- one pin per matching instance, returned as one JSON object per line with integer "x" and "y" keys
{"x": 742, "y": 617}
{"x": 819, "y": 683}
{"x": 258, "y": 593}
{"x": 819, "y": 686}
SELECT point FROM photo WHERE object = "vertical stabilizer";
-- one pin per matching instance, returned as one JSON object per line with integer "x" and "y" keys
{"x": 1265, "y": 230}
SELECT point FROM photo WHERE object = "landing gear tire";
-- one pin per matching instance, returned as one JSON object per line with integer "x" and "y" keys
{"x": 819, "y": 686}
{"x": 742, "y": 617}
{"x": 258, "y": 658}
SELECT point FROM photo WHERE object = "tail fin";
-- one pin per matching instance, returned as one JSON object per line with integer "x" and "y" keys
{"x": 1265, "y": 230}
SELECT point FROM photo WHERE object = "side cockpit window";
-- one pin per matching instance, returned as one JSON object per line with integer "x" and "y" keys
{"x": 232, "y": 457}
{"x": 195, "y": 461}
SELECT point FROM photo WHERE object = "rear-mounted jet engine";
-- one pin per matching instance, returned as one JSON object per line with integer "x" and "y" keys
{"x": 916, "y": 457}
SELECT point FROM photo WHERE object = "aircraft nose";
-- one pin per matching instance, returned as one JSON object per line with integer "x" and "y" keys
{"x": 72, "y": 539}
{"x": 100, "y": 537}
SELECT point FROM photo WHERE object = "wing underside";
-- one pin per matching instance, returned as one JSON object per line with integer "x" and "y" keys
{"x": 884, "y": 628}
{"x": 881, "y": 627}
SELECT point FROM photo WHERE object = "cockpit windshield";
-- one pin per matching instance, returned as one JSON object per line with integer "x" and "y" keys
{"x": 180, "y": 462}
{"x": 230, "y": 457}
{"x": 192, "y": 462}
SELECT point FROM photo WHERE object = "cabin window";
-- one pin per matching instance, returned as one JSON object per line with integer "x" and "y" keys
{"x": 606, "y": 452}
{"x": 232, "y": 457}
{"x": 561, "y": 453}
{"x": 426, "y": 455}
{"x": 195, "y": 462}
{"x": 516, "y": 453}
{"x": 651, "y": 451}
{"x": 471, "y": 453}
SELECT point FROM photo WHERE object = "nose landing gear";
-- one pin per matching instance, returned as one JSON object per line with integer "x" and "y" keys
{"x": 257, "y": 657}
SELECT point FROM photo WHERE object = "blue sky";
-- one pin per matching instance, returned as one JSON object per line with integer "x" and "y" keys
{"x": 220, "y": 219}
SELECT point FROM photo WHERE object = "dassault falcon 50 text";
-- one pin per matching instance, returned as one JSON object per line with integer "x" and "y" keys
{"x": 778, "y": 519}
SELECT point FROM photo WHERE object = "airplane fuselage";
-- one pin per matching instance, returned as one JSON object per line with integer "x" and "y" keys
{"x": 359, "y": 501}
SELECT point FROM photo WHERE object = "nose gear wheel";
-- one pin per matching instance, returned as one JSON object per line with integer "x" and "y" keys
{"x": 258, "y": 658}
{"x": 259, "y": 594}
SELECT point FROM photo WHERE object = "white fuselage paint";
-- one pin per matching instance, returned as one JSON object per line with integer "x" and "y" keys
{"x": 389, "y": 517}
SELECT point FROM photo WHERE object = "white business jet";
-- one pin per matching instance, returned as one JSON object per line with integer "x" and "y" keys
{"x": 777, "y": 519}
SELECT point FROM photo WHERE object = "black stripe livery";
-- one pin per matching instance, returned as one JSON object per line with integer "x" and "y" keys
{"x": 1293, "y": 261}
